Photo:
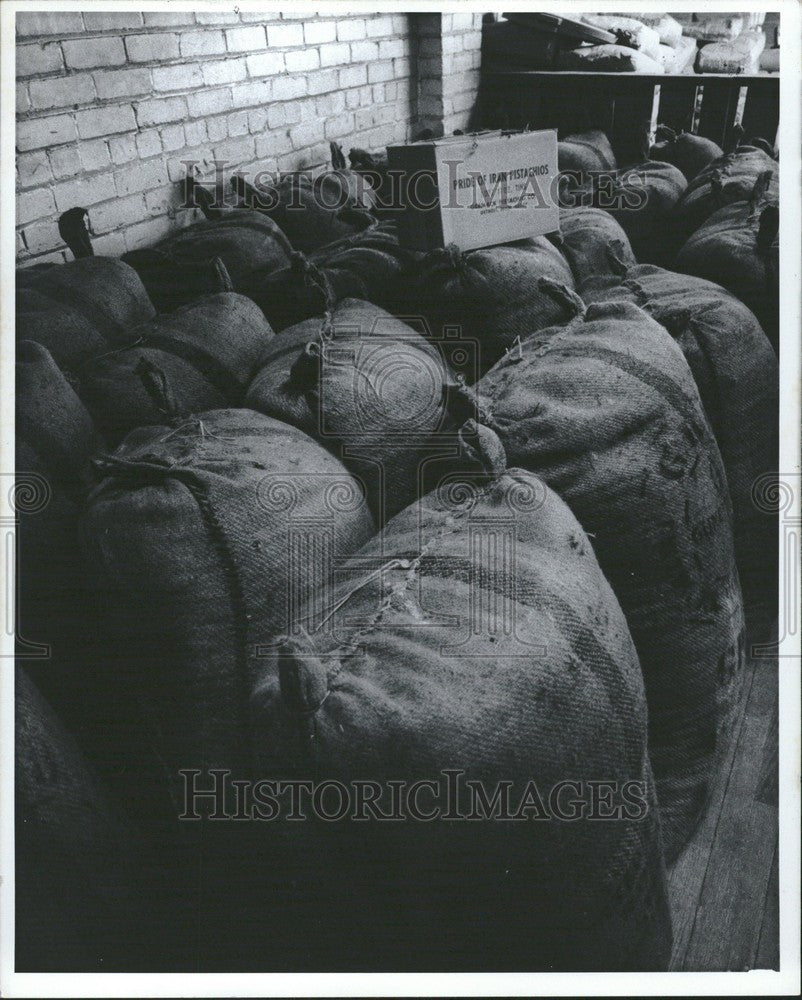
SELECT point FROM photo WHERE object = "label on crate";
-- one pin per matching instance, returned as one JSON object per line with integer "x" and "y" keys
{"x": 477, "y": 190}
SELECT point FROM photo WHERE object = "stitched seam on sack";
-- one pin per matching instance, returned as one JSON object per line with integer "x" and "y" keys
{"x": 716, "y": 403}
{"x": 345, "y": 650}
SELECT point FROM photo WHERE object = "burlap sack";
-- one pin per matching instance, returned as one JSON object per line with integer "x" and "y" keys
{"x": 181, "y": 267}
{"x": 206, "y": 537}
{"x": 80, "y": 309}
{"x": 352, "y": 187}
{"x": 737, "y": 376}
{"x": 312, "y": 212}
{"x": 374, "y": 168}
{"x": 76, "y": 910}
{"x": 606, "y": 411}
{"x": 369, "y": 265}
{"x": 367, "y": 386}
{"x": 584, "y": 238}
{"x": 491, "y": 296}
{"x": 586, "y": 151}
{"x": 688, "y": 152}
{"x": 642, "y": 201}
{"x": 199, "y": 357}
{"x": 738, "y": 247}
{"x": 477, "y": 634}
{"x": 55, "y": 439}
{"x": 728, "y": 179}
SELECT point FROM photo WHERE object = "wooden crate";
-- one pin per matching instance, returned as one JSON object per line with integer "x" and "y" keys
{"x": 627, "y": 105}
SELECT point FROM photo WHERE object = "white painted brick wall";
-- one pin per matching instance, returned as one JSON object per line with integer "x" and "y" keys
{"x": 88, "y": 53}
{"x": 449, "y": 56}
{"x": 122, "y": 83}
{"x": 33, "y": 59}
{"x": 151, "y": 48}
{"x": 59, "y": 92}
{"x": 202, "y": 43}
{"x": 109, "y": 104}
{"x": 65, "y": 161}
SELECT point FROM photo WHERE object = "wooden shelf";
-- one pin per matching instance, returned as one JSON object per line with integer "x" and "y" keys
{"x": 624, "y": 104}
{"x": 742, "y": 79}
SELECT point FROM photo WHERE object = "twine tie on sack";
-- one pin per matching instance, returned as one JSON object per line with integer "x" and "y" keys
{"x": 303, "y": 679}
{"x": 354, "y": 215}
{"x": 305, "y": 371}
{"x": 456, "y": 259}
{"x": 717, "y": 188}
{"x": 515, "y": 350}
{"x": 201, "y": 427}
{"x": 759, "y": 190}
{"x": 389, "y": 565}
{"x": 157, "y": 386}
{"x": 109, "y": 354}
{"x": 768, "y": 228}
{"x": 316, "y": 278}
{"x": 564, "y": 296}
{"x": 613, "y": 250}
{"x": 483, "y": 446}
{"x": 462, "y": 403}
{"x": 221, "y": 273}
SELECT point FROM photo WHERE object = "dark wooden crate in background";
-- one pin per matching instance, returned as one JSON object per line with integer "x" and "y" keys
{"x": 627, "y": 105}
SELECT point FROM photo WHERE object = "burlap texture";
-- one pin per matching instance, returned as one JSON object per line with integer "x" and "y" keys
{"x": 585, "y": 234}
{"x": 366, "y": 385}
{"x": 80, "y": 309}
{"x": 204, "y": 536}
{"x": 369, "y": 265}
{"x": 488, "y": 641}
{"x": 730, "y": 178}
{"x": 607, "y": 412}
{"x": 313, "y": 211}
{"x": 737, "y": 376}
{"x": 645, "y": 197}
{"x": 738, "y": 247}
{"x": 492, "y": 295}
{"x": 245, "y": 241}
{"x": 688, "y": 152}
{"x": 199, "y": 357}
{"x": 586, "y": 151}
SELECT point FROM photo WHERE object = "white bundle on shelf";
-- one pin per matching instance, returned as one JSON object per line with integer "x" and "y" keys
{"x": 740, "y": 55}
{"x": 668, "y": 28}
{"x": 677, "y": 59}
{"x": 714, "y": 29}
{"x": 629, "y": 32}
{"x": 608, "y": 59}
